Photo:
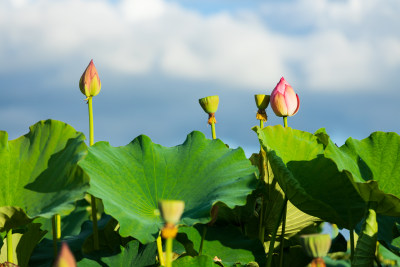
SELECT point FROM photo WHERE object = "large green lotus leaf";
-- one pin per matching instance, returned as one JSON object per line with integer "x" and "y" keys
{"x": 374, "y": 159}
{"x": 132, "y": 179}
{"x": 311, "y": 181}
{"x": 227, "y": 243}
{"x": 39, "y": 175}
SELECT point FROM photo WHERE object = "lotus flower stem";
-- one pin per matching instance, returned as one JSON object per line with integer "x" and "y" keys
{"x": 261, "y": 228}
{"x": 283, "y": 235}
{"x": 351, "y": 244}
{"x": 273, "y": 237}
{"x": 203, "y": 236}
{"x": 9, "y": 247}
{"x": 93, "y": 199}
{"x": 169, "y": 252}
{"x": 56, "y": 225}
{"x": 283, "y": 216}
{"x": 285, "y": 121}
{"x": 160, "y": 251}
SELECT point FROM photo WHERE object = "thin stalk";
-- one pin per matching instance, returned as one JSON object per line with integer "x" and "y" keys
{"x": 9, "y": 247}
{"x": 56, "y": 225}
{"x": 91, "y": 131}
{"x": 203, "y": 236}
{"x": 169, "y": 252}
{"x": 282, "y": 236}
{"x": 285, "y": 124}
{"x": 55, "y": 239}
{"x": 273, "y": 237}
{"x": 261, "y": 228}
{"x": 160, "y": 251}
{"x": 93, "y": 199}
{"x": 351, "y": 244}
{"x": 214, "y": 136}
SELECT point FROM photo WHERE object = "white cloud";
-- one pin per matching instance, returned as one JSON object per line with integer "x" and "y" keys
{"x": 348, "y": 44}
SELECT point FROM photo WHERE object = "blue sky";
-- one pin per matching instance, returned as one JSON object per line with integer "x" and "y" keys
{"x": 156, "y": 58}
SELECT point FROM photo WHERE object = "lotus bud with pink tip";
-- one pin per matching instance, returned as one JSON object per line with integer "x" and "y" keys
{"x": 65, "y": 257}
{"x": 284, "y": 101}
{"x": 89, "y": 83}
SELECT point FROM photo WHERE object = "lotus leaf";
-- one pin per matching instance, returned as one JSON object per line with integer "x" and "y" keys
{"x": 132, "y": 179}
{"x": 39, "y": 175}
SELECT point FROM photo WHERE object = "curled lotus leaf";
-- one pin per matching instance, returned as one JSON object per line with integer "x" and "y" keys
{"x": 39, "y": 174}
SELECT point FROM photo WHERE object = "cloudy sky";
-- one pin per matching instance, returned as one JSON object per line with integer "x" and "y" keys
{"x": 156, "y": 58}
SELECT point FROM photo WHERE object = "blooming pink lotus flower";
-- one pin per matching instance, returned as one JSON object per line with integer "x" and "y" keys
{"x": 89, "y": 83}
{"x": 284, "y": 101}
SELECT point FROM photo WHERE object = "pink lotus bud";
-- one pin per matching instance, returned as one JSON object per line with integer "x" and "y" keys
{"x": 89, "y": 83}
{"x": 65, "y": 257}
{"x": 284, "y": 101}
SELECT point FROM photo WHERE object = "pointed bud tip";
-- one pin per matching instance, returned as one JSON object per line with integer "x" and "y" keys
{"x": 65, "y": 257}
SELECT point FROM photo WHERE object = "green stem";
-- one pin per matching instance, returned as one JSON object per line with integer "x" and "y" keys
{"x": 91, "y": 131}
{"x": 261, "y": 124}
{"x": 273, "y": 237}
{"x": 214, "y": 136}
{"x": 261, "y": 228}
{"x": 93, "y": 199}
{"x": 55, "y": 234}
{"x": 169, "y": 252}
{"x": 285, "y": 124}
{"x": 58, "y": 226}
{"x": 282, "y": 236}
{"x": 94, "y": 219}
{"x": 9, "y": 247}
{"x": 160, "y": 251}
{"x": 203, "y": 236}
{"x": 351, "y": 244}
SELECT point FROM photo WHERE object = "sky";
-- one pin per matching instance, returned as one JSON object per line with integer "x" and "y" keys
{"x": 156, "y": 58}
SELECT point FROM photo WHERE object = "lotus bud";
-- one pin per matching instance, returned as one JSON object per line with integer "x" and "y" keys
{"x": 210, "y": 106}
{"x": 171, "y": 210}
{"x": 89, "y": 83}
{"x": 284, "y": 101}
{"x": 262, "y": 102}
{"x": 65, "y": 257}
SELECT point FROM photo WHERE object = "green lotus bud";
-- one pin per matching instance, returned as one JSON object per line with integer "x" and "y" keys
{"x": 171, "y": 210}
{"x": 262, "y": 101}
{"x": 65, "y": 257}
{"x": 209, "y": 103}
{"x": 89, "y": 83}
{"x": 316, "y": 245}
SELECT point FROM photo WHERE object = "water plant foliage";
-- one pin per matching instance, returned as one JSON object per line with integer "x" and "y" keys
{"x": 232, "y": 205}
